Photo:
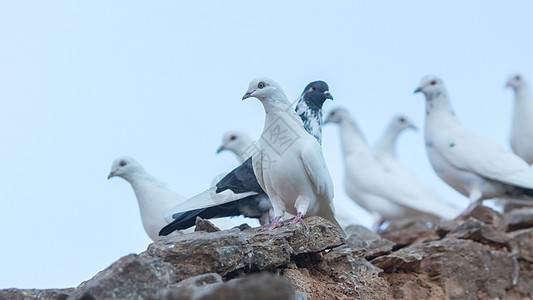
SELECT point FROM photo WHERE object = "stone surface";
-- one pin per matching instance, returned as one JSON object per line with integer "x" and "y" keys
{"x": 365, "y": 242}
{"x": 458, "y": 269}
{"x": 33, "y": 294}
{"x": 488, "y": 216}
{"x": 227, "y": 251}
{"x": 473, "y": 229}
{"x": 131, "y": 277}
{"x": 521, "y": 243}
{"x": 472, "y": 259}
{"x": 519, "y": 219}
{"x": 408, "y": 231}
{"x": 205, "y": 225}
{"x": 257, "y": 286}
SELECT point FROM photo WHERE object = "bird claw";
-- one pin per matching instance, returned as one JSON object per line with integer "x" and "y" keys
{"x": 275, "y": 224}
{"x": 298, "y": 219}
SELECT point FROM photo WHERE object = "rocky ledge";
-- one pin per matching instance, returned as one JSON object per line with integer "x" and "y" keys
{"x": 488, "y": 256}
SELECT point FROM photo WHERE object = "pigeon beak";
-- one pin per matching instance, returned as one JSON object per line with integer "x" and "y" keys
{"x": 327, "y": 121}
{"x": 414, "y": 127}
{"x": 220, "y": 149}
{"x": 111, "y": 174}
{"x": 508, "y": 84}
{"x": 247, "y": 95}
{"x": 418, "y": 90}
{"x": 328, "y": 95}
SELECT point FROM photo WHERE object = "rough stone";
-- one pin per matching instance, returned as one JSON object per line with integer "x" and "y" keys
{"x": 519, "y": 219}
{"x": 473, "y": 229}
{"x": 461, "y": 269}
{"x": 408, "y": 231}
{"x": 263, "y": 286}
{"x": 34, "y": 294}
{"x": 488, "y": 216}
{"x": 521, "y": 243}
{"x": 131, "y": 277}
{"x": 226, "y": 251}
{"x": 205, "y": 225}
{"x": 366, "y": 243}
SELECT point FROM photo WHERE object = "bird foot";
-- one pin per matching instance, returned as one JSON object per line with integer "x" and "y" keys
{"x": 275, "y": 224}
{"x": 298, "y": 219}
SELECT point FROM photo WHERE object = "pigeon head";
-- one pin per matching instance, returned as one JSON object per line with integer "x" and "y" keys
{"x": 337, "y": 115}
{"x": 430, "y": 85}
{"x": 316, "y": 93}
{"x": 515, "y": 81}
{"x": 124, "y": 167}
{"x": 263, "y": 88}
{"x": 402, "y": 122}
{"x": 235, "y": 141}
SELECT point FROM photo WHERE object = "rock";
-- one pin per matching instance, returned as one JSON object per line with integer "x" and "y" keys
{"x": 365, "y": 242}
{"x": 131, "y": 277}
{"x": 458, "y": 269}
{"x": 444, "y": 227}
{"x": 521, "y": 243}
{"x": 205, "y": 225}
{"x": 227, "y": 251}
{"x": 194, "y": 286}
{"x": 524, "y": 288}
{"x": 519, "y": 219}
{"x": 33, "y": 294}
{"x": 408, "y": 231}
{"x": 257, "y": 286}
{"x": 473, "y": 229}
{"x": 488, "y": 216}
{"x": 243, "y": 227}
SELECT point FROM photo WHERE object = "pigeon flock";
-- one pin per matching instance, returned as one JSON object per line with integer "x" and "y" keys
{"x": 283, "y": 177}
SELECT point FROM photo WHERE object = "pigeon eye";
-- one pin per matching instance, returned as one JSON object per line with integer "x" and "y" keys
{"x": 517, "y": 77}
{"x": 433, "y": 82}
{"x": 122, "y": 163}
{"x": 232, "y": 138}
{"x": 402, "y": 120}
{"x": 261, "y": 85}
{"x": 314, "y": 88}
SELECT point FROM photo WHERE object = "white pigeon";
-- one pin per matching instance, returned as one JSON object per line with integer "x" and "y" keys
{"x": 471, "y": 164}
{"x": 239, "y": 143}
{"x": 153, "y": 197}
{"x": 383, "y": 188}
{"x": 522, "y": 129}
{"x": 288, "y": 163}
{"x": 385, "y": 146}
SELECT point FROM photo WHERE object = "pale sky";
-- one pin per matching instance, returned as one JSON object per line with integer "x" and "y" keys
{"x": 85, "y": 82}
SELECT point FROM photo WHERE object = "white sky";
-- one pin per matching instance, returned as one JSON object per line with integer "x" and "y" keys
{"x": 84, "y": 83}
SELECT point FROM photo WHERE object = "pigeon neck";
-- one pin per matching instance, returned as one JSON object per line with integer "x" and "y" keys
{"x": 139, "y": 180}
{"x": 351, "y": 139}
{"x": 244, "y": 151}
{"x": 522, "y": 94}
{"x": 386, "y": 145}
{"x": 311, "y": 116}
{"x": 438, "y": 103}
{"x": 523, "y": 109}
{"x": 280, "y": 109}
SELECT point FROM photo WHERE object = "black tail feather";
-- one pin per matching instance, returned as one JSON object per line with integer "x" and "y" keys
{"x": 188, "y": 219}
{"x": 252, "y": 207}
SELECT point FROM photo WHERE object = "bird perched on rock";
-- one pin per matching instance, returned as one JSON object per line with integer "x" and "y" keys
{"x": 383, "y": 188}
{"x": 522, "y": 128}
{"x": 239, "y": 143}
{"x": 288, "y": 163}
{"x": 385, "y": 147}
{"x": 471, "y": 164}
{"x": 238, "y": 185}
{"x": 153, "y": 197}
